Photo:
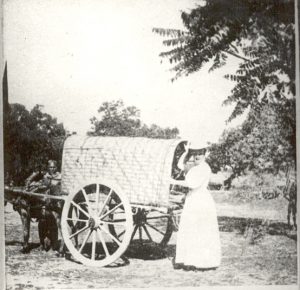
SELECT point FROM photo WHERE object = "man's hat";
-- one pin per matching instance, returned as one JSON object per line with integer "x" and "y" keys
{"x": 52, "y": 163}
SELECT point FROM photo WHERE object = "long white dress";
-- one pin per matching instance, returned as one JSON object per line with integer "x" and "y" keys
{"x": 198, "y": 239}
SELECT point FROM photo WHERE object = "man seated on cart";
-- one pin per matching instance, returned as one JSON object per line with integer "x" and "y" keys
{"x": 38, "y": 181}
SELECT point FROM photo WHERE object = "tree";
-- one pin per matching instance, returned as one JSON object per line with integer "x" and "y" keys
{"x": 32, "y": 137}
{"x": 118, "y": 120}
{"x": 261, "y": 34}
{"x": 154, "y": 131}
{"x": 261, "y": 144}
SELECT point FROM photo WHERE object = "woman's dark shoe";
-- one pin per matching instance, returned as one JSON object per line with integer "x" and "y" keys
{"x": 189, "y": 268}
{"x": 176, "y": 266}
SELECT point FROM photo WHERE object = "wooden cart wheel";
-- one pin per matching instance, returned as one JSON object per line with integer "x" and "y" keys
{"x": 151, "y": 227}
{"x": 87, "y": 215}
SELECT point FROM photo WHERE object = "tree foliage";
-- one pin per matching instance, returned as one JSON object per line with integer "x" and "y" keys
{"x": 31, "y": 138}
{"x": 245, "y": 148}
{"x": 261, "y": 34}
{"x": 118, "y": 120}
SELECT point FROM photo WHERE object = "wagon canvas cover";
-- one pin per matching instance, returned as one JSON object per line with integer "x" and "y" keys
{"x": 141, "y": 167}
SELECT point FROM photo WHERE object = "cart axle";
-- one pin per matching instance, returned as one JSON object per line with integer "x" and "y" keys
{"x": 95, "y": 223}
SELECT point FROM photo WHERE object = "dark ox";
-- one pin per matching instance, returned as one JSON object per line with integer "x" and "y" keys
{"x": 47, "y": 211}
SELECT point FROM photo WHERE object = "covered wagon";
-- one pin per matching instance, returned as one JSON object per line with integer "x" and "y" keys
{"x": 118, "y": 191}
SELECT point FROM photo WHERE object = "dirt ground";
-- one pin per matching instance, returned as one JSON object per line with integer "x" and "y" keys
{"x": 269, "y": 259}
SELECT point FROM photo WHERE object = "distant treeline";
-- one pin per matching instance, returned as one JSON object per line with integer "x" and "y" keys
{"x": 33, "y": 137}
{"x": 264, "y": 144}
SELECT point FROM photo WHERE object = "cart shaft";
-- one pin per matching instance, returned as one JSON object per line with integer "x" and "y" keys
{"x": 41, "y": 195}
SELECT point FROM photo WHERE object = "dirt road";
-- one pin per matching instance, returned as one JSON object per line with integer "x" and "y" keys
{"x": 270, "y": 260}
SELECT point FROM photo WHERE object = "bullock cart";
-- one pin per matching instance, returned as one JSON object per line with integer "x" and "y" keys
{"x": 117, "y": 191}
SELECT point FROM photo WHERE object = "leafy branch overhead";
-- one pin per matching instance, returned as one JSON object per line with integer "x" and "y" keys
{"x": 259, "y": 33}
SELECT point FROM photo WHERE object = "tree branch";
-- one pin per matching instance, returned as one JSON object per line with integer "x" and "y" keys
{"x": 236, "y": 55}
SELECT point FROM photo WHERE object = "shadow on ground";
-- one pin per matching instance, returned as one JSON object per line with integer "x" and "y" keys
{"x": 143, "y": 250}
{"x": 251, "y": 227}
{"x": 146, "y": 251}
{"x": 241, "y": 225}
{"x": 18, "y": 243}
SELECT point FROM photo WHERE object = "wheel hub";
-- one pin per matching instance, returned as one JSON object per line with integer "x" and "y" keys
{"x": 140, "y": 217}
{"x": 94, "y": 222}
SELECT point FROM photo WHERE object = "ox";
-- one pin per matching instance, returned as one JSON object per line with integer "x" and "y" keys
{"x": 48, "y": 214}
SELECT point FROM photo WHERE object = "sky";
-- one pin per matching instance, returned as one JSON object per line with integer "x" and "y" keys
{"x": 71, "y": 56}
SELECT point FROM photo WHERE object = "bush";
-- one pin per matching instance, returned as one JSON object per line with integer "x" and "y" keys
{"x": 264, "y": 186}
{"x": 31, "y": 138}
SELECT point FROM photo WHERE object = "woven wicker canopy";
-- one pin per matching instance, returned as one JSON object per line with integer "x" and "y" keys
{"x": 141, "y": 167}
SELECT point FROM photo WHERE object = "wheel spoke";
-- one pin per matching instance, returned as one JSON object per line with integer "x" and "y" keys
{"x": 105, "y": 201}
{"x": 113, "y": 237}
{"x": 134, "y": 231}
{"x": 140, "y": 234}
{"x": 77, "y": 220}
{"x": 121, "y": 234}
{"x": 157, "y": 217}
{"x": 94, "y": 245}
{"x": 97, "y": 198}
{"x": 85, "y": 240}
{"x": 77, "y": 206}
{"x": 154, "y": 228}
{"x": 147, "y": 233}
{"x": 74, "y": 212}
{"x": 103, "y": 242}
{"x": 87, "y": 199}
{"x": 110, "y": 211}
{"x": 79, "y": 231}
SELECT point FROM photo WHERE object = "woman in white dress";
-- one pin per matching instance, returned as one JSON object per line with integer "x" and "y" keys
{"x": 198, "y": 241}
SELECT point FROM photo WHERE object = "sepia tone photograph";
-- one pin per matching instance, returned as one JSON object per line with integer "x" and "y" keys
{"x": 149, "y": 144}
